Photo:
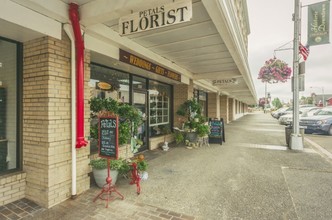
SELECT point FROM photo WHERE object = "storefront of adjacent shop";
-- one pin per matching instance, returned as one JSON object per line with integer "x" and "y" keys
{"x": 37, "y": 132}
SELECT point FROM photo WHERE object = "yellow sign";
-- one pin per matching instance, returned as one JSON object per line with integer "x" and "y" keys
{"x": 133, "y": 60}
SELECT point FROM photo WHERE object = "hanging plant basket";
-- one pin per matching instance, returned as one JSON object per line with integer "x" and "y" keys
{"x": 275, "y": 71}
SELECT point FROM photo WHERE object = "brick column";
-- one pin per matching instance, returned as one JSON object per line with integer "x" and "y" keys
{"x": 213, "y": 105}
{"x": 224, "y": 108}
{"x": 182, "y": 93}
{"x": 47, "y": 122}
{"x": 231, "y": 109}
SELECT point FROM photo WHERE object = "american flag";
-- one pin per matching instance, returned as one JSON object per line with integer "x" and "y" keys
{"x": 304, "y": 51}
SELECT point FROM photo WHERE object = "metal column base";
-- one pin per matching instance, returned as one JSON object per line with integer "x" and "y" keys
{"x": 296, "y": 142}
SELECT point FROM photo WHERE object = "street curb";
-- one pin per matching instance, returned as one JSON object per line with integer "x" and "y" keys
{"x": 322, "y": 151}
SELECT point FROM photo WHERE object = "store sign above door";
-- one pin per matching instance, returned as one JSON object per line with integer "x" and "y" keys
{"x": 136, "y": 61}
{"x": 156, "y": 17}
{"x": 225, "y": 82}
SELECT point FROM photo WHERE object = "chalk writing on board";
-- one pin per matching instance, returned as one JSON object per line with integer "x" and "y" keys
{"x": 108, "y": 135}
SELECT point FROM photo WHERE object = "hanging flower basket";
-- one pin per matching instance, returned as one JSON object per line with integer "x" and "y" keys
{"x": 274, "y": 71}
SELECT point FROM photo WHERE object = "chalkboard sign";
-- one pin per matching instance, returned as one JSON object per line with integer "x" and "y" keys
{"x": 108, "y": 136}
{"x": 217, "y": 133}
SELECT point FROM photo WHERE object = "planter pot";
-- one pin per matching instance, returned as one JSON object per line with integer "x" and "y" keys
{"x": 101, "y": 175}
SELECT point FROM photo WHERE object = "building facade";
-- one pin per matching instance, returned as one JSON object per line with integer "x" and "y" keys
{"x": 153, "y": 55}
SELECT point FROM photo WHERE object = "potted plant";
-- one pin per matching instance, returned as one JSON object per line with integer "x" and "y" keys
{"x": 195, "y": 126}
{"x": 99, "y": 170}
{"x": 189, "y": 109}
{"x": 142, "y": 165}
{"x": 202, "y": 130}
{"x": 179, "y": 137}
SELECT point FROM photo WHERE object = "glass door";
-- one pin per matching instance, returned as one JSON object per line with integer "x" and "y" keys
{"x": 140, "y": 102}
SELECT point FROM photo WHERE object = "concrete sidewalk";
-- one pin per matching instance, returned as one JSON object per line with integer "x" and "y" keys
{"x": 251, "y": 176}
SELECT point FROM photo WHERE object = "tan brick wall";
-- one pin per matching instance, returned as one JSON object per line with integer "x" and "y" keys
{"x": 47, "y": 122}
{"x": 12, "y": 187}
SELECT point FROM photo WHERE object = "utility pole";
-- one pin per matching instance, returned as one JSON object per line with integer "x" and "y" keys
{"x": 296, "y": 142}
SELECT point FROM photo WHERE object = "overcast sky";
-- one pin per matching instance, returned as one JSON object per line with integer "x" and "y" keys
{"x": 271, "y": 26}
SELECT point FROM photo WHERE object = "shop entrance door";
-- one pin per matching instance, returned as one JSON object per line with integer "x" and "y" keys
{"x": 139, "y": 101}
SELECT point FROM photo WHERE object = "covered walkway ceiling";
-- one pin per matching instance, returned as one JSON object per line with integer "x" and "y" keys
{"x": 210, "y": 47}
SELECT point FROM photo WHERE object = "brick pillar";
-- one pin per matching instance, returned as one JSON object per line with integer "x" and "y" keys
{"x": 224, "y": 108}
{"x": 182, "y": 93}
{"x": 231, "y": 109}
{"x": 213, "y": 105}
{"x": 47, "y": 122}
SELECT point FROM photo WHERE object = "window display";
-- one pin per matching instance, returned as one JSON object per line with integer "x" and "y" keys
{"x": 159, "y": 112}
{"x": 201, "y": 97}
{"x": 108, "y": 83}
{"x": 151, "y": 98}
{"x": 9, "y": 157}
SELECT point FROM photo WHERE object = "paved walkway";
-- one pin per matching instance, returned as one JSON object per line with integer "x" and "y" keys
{"x": 251, "y": 176}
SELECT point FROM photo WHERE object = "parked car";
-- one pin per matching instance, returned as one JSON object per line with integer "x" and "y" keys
{"x": 275, "y": 114}
{"x": 311, "y": 112}
{"x": 320, "y": 122}
{"x": 287, "y": 119}
{"x": 284, "y": 111}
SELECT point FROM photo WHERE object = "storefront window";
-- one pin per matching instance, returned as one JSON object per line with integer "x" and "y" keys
{"x": 152, "y": 98}
{"x": 108, "y": 83}
{"x": 139, "y": 100}
{"x": 201, "y": 97}
{"x": 159, "y": 114}
{"x": 9, "y": 99}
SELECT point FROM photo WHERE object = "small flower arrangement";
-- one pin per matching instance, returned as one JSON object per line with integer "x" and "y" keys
{"x": 274, "y": 71}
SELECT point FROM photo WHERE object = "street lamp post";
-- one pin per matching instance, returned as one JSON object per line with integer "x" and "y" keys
{"x": 296, "y": 142}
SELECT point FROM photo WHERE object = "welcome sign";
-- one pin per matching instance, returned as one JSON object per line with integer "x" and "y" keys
{"x": 156, "y": 17}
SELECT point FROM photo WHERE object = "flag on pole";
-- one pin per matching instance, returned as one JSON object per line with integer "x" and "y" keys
{"x": 304, "y": 51}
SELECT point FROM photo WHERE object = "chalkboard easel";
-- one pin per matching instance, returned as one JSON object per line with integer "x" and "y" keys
{"x": 108, "y": 136}
{"x": 108, "y": 131}
{"x": 217, "y": 131}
